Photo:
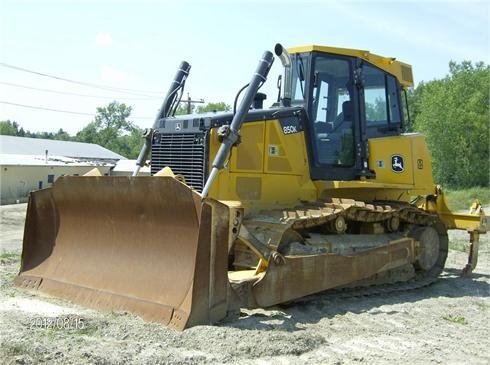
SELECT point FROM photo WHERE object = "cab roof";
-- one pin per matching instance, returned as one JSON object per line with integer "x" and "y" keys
{"x": 402, "y": 71}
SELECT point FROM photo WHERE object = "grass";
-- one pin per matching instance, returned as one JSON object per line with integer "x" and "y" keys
{"x": 9, "y": 268}
{"x": 459, "y": 246}
{"x": 91, "y": 331}
{"x": 461, "y": 200}
{"x": 455, "y": 319}
{"x": 482, "y": 305}
{"x": 9, "y": 257}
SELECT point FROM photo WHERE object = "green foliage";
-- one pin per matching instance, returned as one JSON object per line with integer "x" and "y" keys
{"x": 376, "y": 111}
{"x": 455, "y": 319}
{"x": 213, "y": 107}
{"x": 90, "y": 331}
{"x": 62, "y": 135}
{"x": 8, "y": 128}
{"x": 413, "y": 99}
{"x": 454, "y": 115}
{"x": 9, "y": 257}
{"x": 112, "y": 130}
{"x": 461, "y": 200}
{"x": 182, "y": 109}
{"x": 210, "y": 107}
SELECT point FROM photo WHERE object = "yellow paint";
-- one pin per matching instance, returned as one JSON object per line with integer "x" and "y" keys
{"x": 285, "y": 154}
{"x": 414, "y": 180}
{"x": 417, "y": 166}
{"x": 381, "y": 152}
{"x": 475, "y": 220}
{"x": 249, "y": 159}
{"x": 268, "y": 169}
{"x": 402, "y": 71}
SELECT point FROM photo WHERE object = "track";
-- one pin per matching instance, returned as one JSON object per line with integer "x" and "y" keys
{"x": 277, "y": 228}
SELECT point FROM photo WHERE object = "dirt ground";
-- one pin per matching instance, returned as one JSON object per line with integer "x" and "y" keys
{"x": 446, "y": 323}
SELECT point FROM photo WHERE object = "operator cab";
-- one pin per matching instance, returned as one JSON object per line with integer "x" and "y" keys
{"x": 348, "y": 100}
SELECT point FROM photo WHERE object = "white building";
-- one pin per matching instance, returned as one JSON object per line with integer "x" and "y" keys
{"x": 28, "y": 164}
{"x": 126, "y": 168}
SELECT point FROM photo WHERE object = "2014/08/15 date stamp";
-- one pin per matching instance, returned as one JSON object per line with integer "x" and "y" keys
{"x": 60, "y": 323}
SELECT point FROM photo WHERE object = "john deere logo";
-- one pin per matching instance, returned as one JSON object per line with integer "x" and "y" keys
{"x": 397, "y": 164}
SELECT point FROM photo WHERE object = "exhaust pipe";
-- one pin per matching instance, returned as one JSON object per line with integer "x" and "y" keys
{"x": 230, "y": 134}
{"x": 285, "y": 58}
{"x": 177, "y": 84}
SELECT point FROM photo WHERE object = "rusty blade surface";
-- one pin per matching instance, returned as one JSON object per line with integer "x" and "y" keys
{"x": 125, "y": 243}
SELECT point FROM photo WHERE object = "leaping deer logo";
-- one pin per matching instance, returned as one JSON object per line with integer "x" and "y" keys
{"x": 397, "y": 164}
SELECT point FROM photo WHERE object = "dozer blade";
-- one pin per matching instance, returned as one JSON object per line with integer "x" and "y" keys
{"x": 141, "y": 244}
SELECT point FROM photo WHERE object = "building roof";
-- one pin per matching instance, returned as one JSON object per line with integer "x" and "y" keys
{"x": 37, "y": 160}
{"x": 11, "y": 145}
{"x": 129, "y": 166}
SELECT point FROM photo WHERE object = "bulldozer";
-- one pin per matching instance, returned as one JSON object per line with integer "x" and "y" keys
{"x": 257, "y": 206}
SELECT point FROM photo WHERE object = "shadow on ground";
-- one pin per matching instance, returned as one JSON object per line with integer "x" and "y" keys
{"x": 316, "y": 307}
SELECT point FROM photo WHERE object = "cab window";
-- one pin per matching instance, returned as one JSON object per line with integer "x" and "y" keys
{"x": 381, "y": 97}
{"x": 375, "y": 96}
{"x": 332, "y": 111}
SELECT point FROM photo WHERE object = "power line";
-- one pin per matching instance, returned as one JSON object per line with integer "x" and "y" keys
{"x": 57, "y": 110}
{"x": 97, "y": 86}
{"x": 75, "y": 94}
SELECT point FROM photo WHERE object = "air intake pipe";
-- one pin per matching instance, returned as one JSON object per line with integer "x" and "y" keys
{"x": 286, "y": 62}
{"x": 166, "y": 108}
{"x": 177, "y": 84}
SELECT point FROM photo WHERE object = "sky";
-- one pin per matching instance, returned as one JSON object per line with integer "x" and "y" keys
{"x": 60, "y": 60}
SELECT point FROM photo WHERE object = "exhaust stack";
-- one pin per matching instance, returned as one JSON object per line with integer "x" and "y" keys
{"x": 285, "y": 58}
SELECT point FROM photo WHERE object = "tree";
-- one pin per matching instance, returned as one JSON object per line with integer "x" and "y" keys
{"x": 111, "y": 129}
{"x": 9, "y": 128}
{"x": 454, "y": 115}
{"x": 62, "y": 135}
{"x": 376, "y": 110}
{"x": 14, "y": 129}
{"x": 182, "y": 109}
{"x": 210, "y": 107}
{"x": 214, "y": 107}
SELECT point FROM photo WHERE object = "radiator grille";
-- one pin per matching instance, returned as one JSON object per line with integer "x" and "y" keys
{"x": 184, "y": 153}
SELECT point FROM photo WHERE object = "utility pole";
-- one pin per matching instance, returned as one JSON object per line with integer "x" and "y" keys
{"x": 189, "y": 102}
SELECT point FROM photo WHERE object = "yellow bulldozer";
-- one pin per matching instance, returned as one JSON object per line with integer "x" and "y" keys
{"x": 254, "y": 207}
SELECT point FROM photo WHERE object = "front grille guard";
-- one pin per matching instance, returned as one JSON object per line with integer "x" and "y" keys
{"x": 185, "y": 153}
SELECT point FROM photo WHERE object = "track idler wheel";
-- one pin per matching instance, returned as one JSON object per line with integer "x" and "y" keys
{"x": 338, "y": 225}
{"x": 432, "y": 251}
{"x": 429, "y": 248}
{"x": 393, "y": 224}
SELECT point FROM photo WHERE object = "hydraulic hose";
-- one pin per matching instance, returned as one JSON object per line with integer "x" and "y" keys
{"x": 177, "y": 83}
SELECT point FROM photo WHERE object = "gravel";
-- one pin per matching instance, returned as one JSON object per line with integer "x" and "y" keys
{"x": 447, "y": 323}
